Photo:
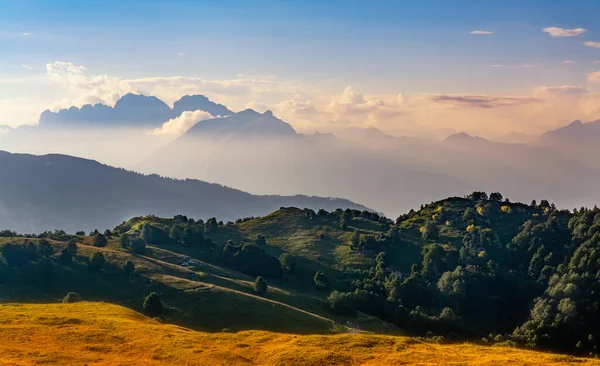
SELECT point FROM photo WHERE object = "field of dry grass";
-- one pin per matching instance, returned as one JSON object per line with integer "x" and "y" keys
{"x": 102, "y": 334}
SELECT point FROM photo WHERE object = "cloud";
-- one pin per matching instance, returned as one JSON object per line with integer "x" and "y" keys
{"x": 596, "y": 62}
{"x": 481, "y": 101}
{"x": 594, "y": 77}
{"x": 181, "y": 54}
{"x": 497, "y": 65}
{"x": 562, "y": 90}
{"x": 562, "y": 32}
{"x": 82, "y": 88}
{"x": 178, "y": 126}
{"x": 568, "y": 62}
{"x": 592, "y": 44}
{"x": 26, "y": 67}
{"x": 528, "y": 66}
{"x": 480, "y": 32}
{"x": 26, "y": 34}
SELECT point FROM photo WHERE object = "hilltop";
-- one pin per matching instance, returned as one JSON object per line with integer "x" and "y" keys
{"x": 103, "y": 334}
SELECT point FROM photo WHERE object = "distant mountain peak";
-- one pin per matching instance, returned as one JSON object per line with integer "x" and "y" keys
{"x": 190, "y": 103}
{"x": 575, "y": 123}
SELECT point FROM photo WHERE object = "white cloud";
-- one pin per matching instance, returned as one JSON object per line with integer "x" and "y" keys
{"x": 26, "y": 67}
{"x": 178, "y": 126}
{"x": 562, "y": 90}
{"x": 593, "y": 44}
{"x": 562, "y": 32}
{"x": 496, "y": 65}
{"x": 480, "y": 32}
{"x": 181, "y": 54}
{"x": 568, "y": 62}
{"x": 528, "y": 66}
{"x": 594, "y": 77}
{"x": 26, "y": 34}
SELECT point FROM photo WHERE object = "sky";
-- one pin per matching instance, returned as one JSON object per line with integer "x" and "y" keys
{"x": 427, "y": 68}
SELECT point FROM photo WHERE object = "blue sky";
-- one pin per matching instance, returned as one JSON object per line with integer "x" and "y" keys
{"x": 378, "y": 47}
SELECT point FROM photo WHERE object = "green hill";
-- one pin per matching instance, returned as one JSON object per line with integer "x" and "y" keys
{"x": 463, "y": 268}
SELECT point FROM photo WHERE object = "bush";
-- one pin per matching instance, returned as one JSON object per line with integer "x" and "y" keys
{"x": 153, "y": 307}
{"x": 71, "y": 298}
{"x": 97, "y": 262}
{"x": 320, "y": 280}
{"x": 138, "y": 246}
{"x": 288, "y": 262}
{"x": 72, "y": 247}
{"x": 260, "y": 286}
{"x": 429, "y": 231}
{"x": 154, "y": 235}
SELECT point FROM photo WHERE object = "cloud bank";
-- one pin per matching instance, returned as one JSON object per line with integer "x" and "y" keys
{"x": 178, "y": 126}
{"x": 563, "y": 32}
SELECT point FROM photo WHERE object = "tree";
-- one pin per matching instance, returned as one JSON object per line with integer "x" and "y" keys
{"x": 66, "y": 257}
{"x": 211, "y": 225}
{"x": 45, "y": 249}
{"x": 176, "y": 234}
{"x": 138, "y": 246}
{"x": 260, "y": 240}
{"x": 153, "y": 307}
{"x": 355, "y": 240}
{"x": 430, "y": 231}
{"x": 97, "y": 262}
{"x": 124, "y": 241}
{"x": 128, "y": 268}
{"x": 343, "y": 223}
{"x": 71, "y": 298}
{"x": 495, "y": 196}
{"x": 99, "y": 240}
{"x": 478, "y": 196}
{"x": 72, "y": 247}
{"x": 288, "y": 262}
{"x": 341, "y": 304}
{"x": 260, "y": 286}
{"x": 80, "y": 233}
{"x": 320, "y": 280}
{"x": 107, "y": 233}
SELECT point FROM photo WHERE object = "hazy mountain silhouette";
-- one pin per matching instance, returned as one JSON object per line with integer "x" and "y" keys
{"x": 56, "y": 191}
{"x": 577, "y": 140}
{"x": 199, "y": 102}
{"x": 131, "y": 110}
{"x": 244, "y": 124}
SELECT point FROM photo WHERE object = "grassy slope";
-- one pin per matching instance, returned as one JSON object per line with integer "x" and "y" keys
{"x": 215, "y": 297}
{"x": 103, "y": 334}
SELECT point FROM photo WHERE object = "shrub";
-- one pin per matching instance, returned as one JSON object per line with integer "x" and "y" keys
{"x": 80, "y": 233}
{"x": 72, "y": 247}
{"x": 288, "y": 262}
{"x": 153, "y": 307}
{"x": 260, "y": 286}
{"x": 320, "y": 280}
{"x": 71, "y": 298}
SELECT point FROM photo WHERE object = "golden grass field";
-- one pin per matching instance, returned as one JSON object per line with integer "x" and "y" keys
{"x": 89, "y": 333}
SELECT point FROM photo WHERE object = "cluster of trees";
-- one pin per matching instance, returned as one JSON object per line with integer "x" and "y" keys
{"x": 540, "y": 286}
{"x": 252, "y": 260}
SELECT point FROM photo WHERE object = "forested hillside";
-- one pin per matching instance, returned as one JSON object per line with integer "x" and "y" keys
{"x": 479, "y": 268}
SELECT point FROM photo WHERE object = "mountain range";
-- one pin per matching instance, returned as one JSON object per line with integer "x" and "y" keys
{"x": 262, "y": 154}
{"x": 47, "y": 192}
